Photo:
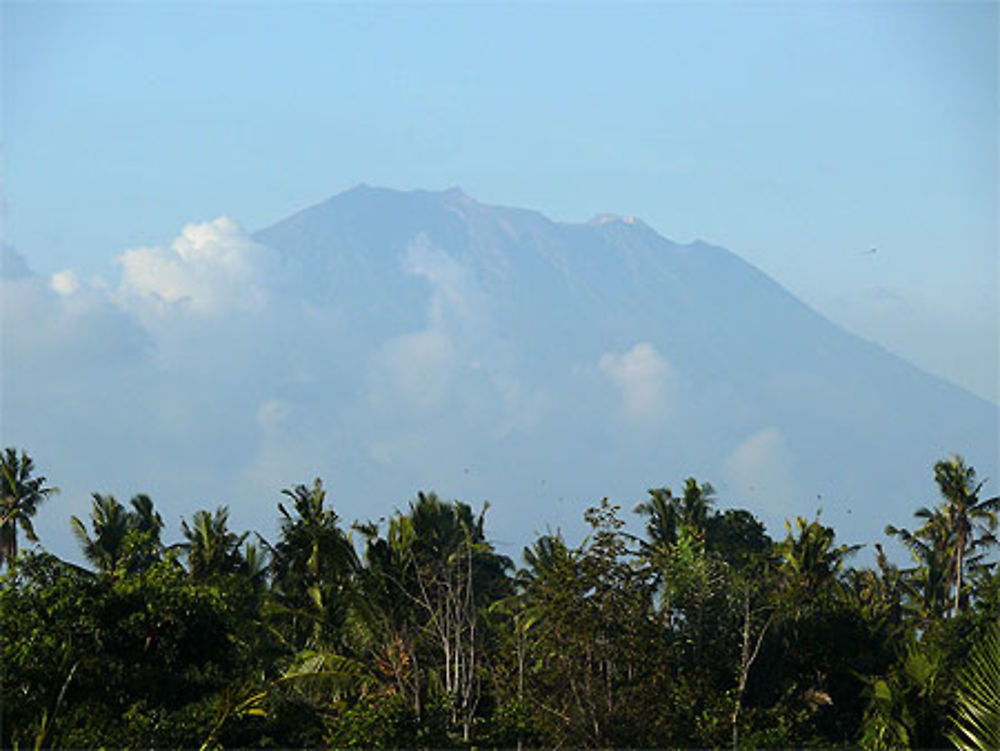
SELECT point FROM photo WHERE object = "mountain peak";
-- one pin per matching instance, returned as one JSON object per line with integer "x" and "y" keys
{"x": 362, "y": 188}
{"x": 455, "y": 198}
{"x": 602, "y": 219}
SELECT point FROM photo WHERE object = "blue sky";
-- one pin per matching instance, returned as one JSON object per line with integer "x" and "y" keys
{"x": 797, "y": 135}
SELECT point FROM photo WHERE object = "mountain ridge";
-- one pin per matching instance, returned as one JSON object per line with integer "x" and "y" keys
{"x": 448, "y": 196}
{"x": 392, "y": 341}
{"x": 562, "y": 306}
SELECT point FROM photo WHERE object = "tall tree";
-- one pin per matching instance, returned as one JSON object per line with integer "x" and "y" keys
{"x": 313, "y": 564}
{"x": 696, "y": 502}
{"x": 586, "y": 657}
{"x": 211, "y": 547}
{"x": 454, "y": 573}
{"x": 386, "y": 624}
{"x": 811, "y": 562}
{"x": 121, "y": 538}
{"x": 668, "y": 514}
{"x": 110, "y": 523}
{"x": 662, "y": 517}
{"x": 145, "y": 518}
{"x": 927, "y": 582}
{"x": 953, "y": 537}
{"x": 971, "y": 521}
{"x": 20, "y": 496}
{"x": 312, "y": 547}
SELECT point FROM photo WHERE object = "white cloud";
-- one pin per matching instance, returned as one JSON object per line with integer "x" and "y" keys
{"x": 65, "y": 282}
{"x": 760, "y": 470}
{"x": 454, "y": 288}
{"x": 212, "y": 267}
{"x": 419, "y": 369}
{"x": 62, "y": 321}
{"x": 643, "y": 377}
{"x": 415, "y": 370}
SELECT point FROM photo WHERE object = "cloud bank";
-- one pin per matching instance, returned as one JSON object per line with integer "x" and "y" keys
{"x": 643, "y": 378}
{"x": 761, "y": 470}
{"x": 212, "y": 268}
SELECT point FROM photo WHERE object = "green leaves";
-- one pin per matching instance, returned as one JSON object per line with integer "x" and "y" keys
{"x": 20, "y": 496}
{"x": 706, "y": 633}
{"x": 123, "y": 541}
{"x": 117, "y": 660}
{"x": 212, "y": 549}
{"x": 977, "y": 699}
{"x": 811, "y": 561}
{"x": 906, "y": 704}
{"x": 327, "y": 675}
{"x": 951, "y": 542}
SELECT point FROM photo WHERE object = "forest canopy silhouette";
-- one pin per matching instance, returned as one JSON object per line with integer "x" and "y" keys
{"x": 702, "y": 631}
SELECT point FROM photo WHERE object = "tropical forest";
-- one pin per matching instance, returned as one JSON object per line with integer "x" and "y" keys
{"x": 696, "y": 630}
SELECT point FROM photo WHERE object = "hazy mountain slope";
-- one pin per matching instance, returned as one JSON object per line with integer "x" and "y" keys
{"x": 744, "y": 384}
{"x": 392, "y": 341}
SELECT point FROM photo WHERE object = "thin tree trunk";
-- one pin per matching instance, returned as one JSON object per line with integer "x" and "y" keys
{"x": 958, "y": 570}
{"x": 8, "y": 541}
{"x": 747, "y": 658}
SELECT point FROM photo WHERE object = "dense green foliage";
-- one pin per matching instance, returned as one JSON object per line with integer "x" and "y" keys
{"x": 701, "y": 632}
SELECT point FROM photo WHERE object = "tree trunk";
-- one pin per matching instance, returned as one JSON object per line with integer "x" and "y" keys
{"x": 8, "y": 541}
{"x": 747, "y": 657}
{"x": 958, "y": 569}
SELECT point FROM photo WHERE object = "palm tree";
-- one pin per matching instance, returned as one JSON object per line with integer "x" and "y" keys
{"x": 810, "y": 561}
{"x": 967, "y": 515}
{"x": 879, "y": 592}
{"x": 255, "y": 565}
{"x": 313, "y": 565}
{"x": 20, "y": 495}
{"x": 541, "y": 558}
{"x": 668, "y": 514}
{"x": 145, "y": 527}
{"x": 312, "y": 547}
{"x": 110, "y": 523}
{"x": 448, "y": 571}
{"x": 211, "y": 548}
{"x": 695, "y": 505}
{"x": 121, "y": 537}
{"x": 661, "y": 510}
{"x": 927, "y": 583}
{"x": 953, "y": 535}
{"x": 382, "y": 619}
{"x": 145, "y": 518}
{"x": 457, "y": 572}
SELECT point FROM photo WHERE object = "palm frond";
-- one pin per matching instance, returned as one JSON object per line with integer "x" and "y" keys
{"x": 977, "y": 712}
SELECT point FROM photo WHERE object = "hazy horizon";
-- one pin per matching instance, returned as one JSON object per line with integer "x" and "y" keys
{"x": 847, "y": 151}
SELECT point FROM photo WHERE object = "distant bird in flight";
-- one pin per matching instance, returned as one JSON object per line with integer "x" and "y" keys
{"x": 871, "y": 252}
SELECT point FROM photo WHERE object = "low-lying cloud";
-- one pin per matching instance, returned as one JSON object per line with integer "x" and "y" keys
{"x": 643, "y": 378}
{"x": 414, "y": 370}
{"x": 61, "y": 322}
{"x": 455, "y": 295}
{"x": 761, "y": 471}
{"x": 211, "y": 268}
